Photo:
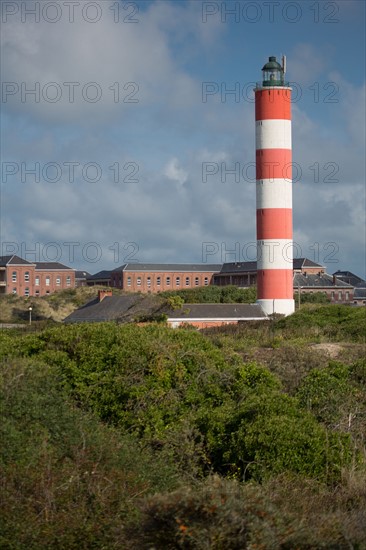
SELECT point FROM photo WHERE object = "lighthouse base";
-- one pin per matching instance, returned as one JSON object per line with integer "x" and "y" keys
{"x": 283, "y": 307}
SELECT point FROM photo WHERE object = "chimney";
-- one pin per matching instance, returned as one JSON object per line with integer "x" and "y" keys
{"x": 103, "y": 293}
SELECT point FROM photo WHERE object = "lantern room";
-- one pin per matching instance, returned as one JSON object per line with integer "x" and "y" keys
{"x": 273, "y": 73}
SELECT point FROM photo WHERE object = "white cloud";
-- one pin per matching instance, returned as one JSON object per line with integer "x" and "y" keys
{"x": 171, "y": 209}
{"x": 175, "y": 172}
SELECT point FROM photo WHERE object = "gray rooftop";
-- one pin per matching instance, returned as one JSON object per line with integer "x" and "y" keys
{"x": 318, "y": 281}
{"x": 13, "y": 259}
{"x": 305, "y": 262}
{"x": 218, "y": 311}
{"x": 110, "y": 308}
{"x": 238, "y": 267}
{"x": 131, "y": 306}
{"x": 81, "y": 274}
{"x": 105, "y": 274}
{"x": 170, "y": 267}
{"x": 350, "y": 278}
{"x": 251, "y": 267}
{"x": 52, "y": 266}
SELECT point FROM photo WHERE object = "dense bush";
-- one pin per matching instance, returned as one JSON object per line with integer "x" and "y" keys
{"x": 267, "y": 434}
{"x": 312, "y": 298}
{"x": 284, "y": 514}
{"x": 180, "y": 397}
{"x": 334, "y": 322}
{"x": 215, "y": 294}
{"x": 67, "y": 480}
{"x": 159, "y": 384}
{"x": 336, "y": 396}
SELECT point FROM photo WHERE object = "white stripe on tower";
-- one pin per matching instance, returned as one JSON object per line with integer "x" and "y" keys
{"x": 274, "y": 191}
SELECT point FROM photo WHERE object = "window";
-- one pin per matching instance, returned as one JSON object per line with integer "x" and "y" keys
{"x": 58, "y": 281}
{"x": 177, "y": 281}
{"x": 138, "y": 281}
{"x": 149, "y": 282}
{"x": 37, "y": 292}
{"x": 47, "y": 292}
{"x": 158, "y": 281}
{"x": 206, "y": 281}
{"x": 128, "y": 281}
{"x": 340, "y": 295}
{"x": 187, "y": 281}
{"x": 47, "y": 281}
{"x": 14, "y": 290}
{"x": 197, "y": 281}
{"x": 68, "y": 280}
{"x": 332, "y": 294}
{"x": 14, "y": 277}
{"x": 26, "y": 277}
{"x": 168, "y": 281}
{"x": 347, "y": 295}
{"x": 37, "y": 281}
{"x": 26, "y": 292}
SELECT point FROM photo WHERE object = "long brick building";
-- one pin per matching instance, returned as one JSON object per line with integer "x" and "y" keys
{"x": 308, "y": 277}
{"x": 159, "y": 277}
{"x": 18, "y": 276}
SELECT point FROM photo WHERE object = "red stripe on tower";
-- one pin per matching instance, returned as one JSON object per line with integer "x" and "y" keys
{"x": 274, "y": 190}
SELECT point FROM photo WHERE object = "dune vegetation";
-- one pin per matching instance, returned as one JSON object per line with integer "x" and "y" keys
{"x": 140, "y": 437}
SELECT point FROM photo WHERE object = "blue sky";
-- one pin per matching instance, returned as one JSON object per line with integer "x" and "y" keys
{"x": 121, "y": 90}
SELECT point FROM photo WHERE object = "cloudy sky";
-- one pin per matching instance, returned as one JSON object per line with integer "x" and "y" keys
{"x": 128, "y": 129}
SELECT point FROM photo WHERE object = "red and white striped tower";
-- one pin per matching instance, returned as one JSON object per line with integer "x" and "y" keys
{"x": 274, "y": 190}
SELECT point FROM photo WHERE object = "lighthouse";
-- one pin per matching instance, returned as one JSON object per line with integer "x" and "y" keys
{"x": 274, "y": 190}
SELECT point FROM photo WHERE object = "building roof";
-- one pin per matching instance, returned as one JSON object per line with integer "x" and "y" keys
{"x": 104, "y": 274}
{"x": 13, "y": 259}
{"x": 81, "y": 274}
{"x": 110, "y": 308}
{"x": 319, "y": 281}
{"x": 170, "y": 267}
{"x": 251, "y": 267}
{"x": 52, "y": 266}
{"x": 301, "y": 263}
{"x": 351, "y": 278}
{"x": 131, "y": 306}
{"x": 238, "y": 267}
{"x": 206, "y": 312}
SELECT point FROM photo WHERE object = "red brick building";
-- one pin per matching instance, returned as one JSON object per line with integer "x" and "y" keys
{"x": 159, "y": 277}
{"x": 308, "y": 277}
{"x": 18, "y": 276}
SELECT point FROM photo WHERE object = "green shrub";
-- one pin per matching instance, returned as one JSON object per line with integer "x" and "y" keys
{"x": 214, "y": 295}
{"x": 287, "y": 513}
{"x": 335, "y": 322}
{"x": 312, "y": 298}
{"x": 67, "y": 480}
{"x": 267, "y": 433}
{"x": 156, "y": 382}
